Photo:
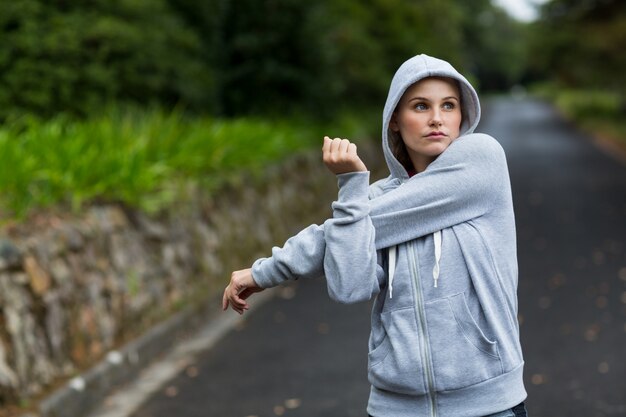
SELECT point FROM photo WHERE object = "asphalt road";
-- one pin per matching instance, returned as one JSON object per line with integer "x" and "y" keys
{"x": 302, "y": 355}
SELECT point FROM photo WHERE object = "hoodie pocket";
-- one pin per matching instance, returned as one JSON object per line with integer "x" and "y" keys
{"x": 395, "y": 365}
{"x": 462, "y": 354}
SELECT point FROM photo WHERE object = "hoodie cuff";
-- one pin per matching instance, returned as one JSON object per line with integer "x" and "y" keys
{"x": 261, "y": 274}
{"x": 353, "y": 201}
{"x": 353, "y": 187}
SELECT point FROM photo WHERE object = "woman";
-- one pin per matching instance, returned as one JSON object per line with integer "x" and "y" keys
{"x": 434, "y": 242}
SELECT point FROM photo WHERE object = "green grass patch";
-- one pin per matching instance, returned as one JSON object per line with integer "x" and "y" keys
{"x": 145, "y": 158}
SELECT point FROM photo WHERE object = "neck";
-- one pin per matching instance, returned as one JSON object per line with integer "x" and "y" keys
{"x": 421, "y": 162}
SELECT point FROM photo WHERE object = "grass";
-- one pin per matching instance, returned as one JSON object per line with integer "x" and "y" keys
{"x": 144, "y": 158}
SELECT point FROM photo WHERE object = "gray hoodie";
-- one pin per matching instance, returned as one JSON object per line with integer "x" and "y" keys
{"x": 438, "y": 251}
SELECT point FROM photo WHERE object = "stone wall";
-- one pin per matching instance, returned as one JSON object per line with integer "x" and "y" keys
{"x": 74, "y": 287}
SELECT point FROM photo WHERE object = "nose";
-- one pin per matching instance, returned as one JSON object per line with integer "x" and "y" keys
{"x": 435, "y": 119}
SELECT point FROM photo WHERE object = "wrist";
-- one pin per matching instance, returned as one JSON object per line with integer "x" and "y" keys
{"x": 353, "y": 186}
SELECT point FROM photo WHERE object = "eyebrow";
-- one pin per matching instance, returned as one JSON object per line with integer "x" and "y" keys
{"x": 426, "y": 99}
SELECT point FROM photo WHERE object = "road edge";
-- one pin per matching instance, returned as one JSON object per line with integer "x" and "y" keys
{"x": 176, "y": 340}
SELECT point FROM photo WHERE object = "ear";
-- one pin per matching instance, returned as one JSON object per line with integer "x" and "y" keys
{"x": 393, "y": 123}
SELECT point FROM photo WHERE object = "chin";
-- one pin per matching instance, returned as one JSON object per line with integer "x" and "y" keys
{"x": 438, "y": 150}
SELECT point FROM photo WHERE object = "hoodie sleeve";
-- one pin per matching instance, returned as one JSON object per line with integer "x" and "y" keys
{"x": 469, "y": 180}
{"x": 302, "y": 256}
{"x": 350, "y": 258}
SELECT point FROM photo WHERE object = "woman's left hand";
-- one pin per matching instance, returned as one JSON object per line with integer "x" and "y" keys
{"x": 340, "y": 156}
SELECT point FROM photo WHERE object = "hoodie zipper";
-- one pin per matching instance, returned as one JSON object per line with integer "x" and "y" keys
{"x": 420, "y": 316}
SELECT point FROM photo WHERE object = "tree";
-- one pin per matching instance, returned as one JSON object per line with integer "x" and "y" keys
{"x": 580, "y": 44}
{"x": 74, "y": 57}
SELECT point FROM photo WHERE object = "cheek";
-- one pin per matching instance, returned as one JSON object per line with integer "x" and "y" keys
{"x": 455, "y": 125}
{"x": 415, "y": 121}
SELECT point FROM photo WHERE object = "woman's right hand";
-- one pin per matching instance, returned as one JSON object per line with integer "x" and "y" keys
{"x": 241, "y": 286}
{"x": 340, "y": 156}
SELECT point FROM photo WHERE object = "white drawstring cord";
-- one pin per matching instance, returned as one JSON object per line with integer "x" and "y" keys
{"x": 392, "y": 268}
{"x": 393, "y": 253}
{"x": 437, "y": 240}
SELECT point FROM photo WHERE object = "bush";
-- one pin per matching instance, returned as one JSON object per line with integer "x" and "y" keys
{"x": 145, "y": 158}
{"x": 585, "y": 104}
{"x": 72, "y": 57}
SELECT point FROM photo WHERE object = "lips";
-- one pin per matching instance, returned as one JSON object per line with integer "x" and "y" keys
{"x": 436, "y": 135}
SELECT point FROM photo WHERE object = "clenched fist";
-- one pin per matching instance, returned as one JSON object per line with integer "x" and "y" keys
{"x": 340, "y": 156}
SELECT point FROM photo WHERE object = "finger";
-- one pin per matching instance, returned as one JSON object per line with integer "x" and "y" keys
{"x": 327, "y": 142}
{"x": 225, "y": 300}
{"x": 228, "y": 298}
{"x": 343, "y": 146}
{"x": 334, "y": 146}
{"x": 241, "y": 306}
{"x": 245, "y": 294}
{"x": 352, "y": 149}
{"x": 331, "y": 149}
{"x": 236, "y": 300}
{"x": 326, "y": 148}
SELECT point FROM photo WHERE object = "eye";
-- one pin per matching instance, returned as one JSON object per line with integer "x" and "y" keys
{"x": 421, "y": 106}
{"x": 448, "y": 105}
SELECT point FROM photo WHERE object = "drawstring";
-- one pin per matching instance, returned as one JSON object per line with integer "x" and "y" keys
{"x": 392, "y": 268}
{"x": 393, "y": 252}
{"x": 437, "y": 240}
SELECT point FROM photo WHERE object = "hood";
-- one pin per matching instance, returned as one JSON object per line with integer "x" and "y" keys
{"x": 411, "y": 71}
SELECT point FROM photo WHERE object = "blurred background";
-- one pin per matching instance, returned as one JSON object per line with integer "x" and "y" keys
{"x": 136, "y": 102}
{"x": 84, "y": 64}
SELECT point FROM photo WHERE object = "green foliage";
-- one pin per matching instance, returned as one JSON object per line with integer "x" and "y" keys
{"x": 244, "y": 57}
{"x": 579, "y": 44}
{"x": 70, "y": 70}
{"x": 324, "y": 54}
{"x": 272, "y": 58}
{"x": 144, "y": 158}
{"x": 73, "y": 57}
{"x": 581, "y": 104}
{"x": 577, "y": 49}
{"x": 597, "y": 111}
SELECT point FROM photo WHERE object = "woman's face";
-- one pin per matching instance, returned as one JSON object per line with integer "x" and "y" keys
{"x": 428, "y": 118}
